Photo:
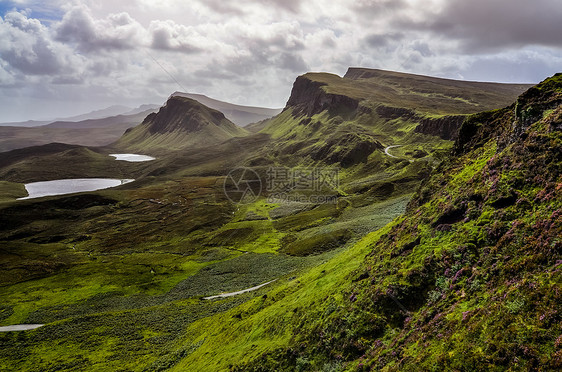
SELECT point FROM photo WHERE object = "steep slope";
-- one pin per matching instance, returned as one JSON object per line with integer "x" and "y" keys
{"x": 468, "y": 279}
{"x": 180, "y": 124}
{"x": 372, "y": 96}
{"x": 238, "y": 114}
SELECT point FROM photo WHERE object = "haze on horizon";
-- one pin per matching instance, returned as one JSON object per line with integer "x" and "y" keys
{"x": 62, "y": 58}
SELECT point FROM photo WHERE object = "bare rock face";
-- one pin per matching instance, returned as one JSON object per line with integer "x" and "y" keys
{"x": 309, "y": 98}
{"x": 446, "y": 127}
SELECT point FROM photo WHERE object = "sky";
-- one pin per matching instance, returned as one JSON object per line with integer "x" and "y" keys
{"x": 62, "y": 58}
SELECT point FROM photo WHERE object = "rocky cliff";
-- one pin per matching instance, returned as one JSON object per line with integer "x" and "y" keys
{"x": 308, "y": 97}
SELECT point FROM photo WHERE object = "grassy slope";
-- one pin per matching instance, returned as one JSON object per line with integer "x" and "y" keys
{"x": 118, "y": 274}
{"x": 181, "y": 124}
{"x": 430, "y": 95}
{"x": 469, "y": 279}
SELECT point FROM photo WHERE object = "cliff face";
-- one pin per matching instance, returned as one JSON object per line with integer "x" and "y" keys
{"x": 446, "y": 127}
{"x": 309, "y": 98}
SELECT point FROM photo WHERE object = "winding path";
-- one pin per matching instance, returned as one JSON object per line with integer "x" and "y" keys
{"x": 224, "y": 295}
{"x": 20, "y": 327}
{"x": 391, "y": 147}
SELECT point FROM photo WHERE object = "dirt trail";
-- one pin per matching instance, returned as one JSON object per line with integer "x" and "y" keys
{"x": 391, "y": 147}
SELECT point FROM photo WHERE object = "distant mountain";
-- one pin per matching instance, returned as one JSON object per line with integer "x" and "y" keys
{"x": 97, "y": 114}
{"x": 239, "y": 115}
{"x": 26, "y": 124}
{"x": 143, "y": 108}
{"x": 93, "y": 132}
{"x": 132, "y": 119}
{"x": 181, "y": 123}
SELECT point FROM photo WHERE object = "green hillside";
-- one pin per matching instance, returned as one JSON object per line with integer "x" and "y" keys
{"x": 181, "y": 123}
{"x": 383, "y": 275}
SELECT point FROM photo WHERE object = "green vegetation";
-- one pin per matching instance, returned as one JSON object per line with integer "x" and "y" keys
{"x": 462, "y": 273}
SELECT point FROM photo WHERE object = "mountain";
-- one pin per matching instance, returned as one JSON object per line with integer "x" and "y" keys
{"x": 28, "y": 123}
{"x": 92, "y": 132}
{"x": 108, "y": 112}
{"x": 351, "y": 120}
{"x": 181, "y": 123}
{"x": 240, "y": 115}
{"x": 99, "y": 114}
{"x": 422, "y": 251}
{"x": 143, "y": 108}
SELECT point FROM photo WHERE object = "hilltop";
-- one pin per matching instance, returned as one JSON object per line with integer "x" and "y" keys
{"x": 181, "y": 123}
{"x": 238, "y": 114}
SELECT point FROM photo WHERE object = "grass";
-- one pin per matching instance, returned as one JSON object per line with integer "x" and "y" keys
{"x": 243, "y": 338}
{"x": 119, "y": 275}
{"x": 11, "y": 190}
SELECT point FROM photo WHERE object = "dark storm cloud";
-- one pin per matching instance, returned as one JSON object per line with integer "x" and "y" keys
{"x": 485, "y": 26}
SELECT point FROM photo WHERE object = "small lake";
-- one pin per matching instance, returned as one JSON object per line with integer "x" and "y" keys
{"x": 70, "y": 186}
{"x": 134, "y": 158}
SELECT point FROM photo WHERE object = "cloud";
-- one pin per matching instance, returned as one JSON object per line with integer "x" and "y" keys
{"x": 27, "y": 46}
{"x": 483, "y": 26}
{"x": 242, "y": 7}
{"x": 250, "y": 51}
{"x": 116, "y": 32}
{"x": 383, "y": 40}
{"x": 168, "y": 35}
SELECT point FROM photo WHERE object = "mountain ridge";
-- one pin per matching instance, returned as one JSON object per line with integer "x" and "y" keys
{"x": 182, "y": 122}
{"x": 238, "y": 114}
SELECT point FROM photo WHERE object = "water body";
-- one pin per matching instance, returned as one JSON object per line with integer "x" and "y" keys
{"x": 133, "y": 158}
{"x": 20, "y": 327}
{"x": 70, "y": 186}
{"x": 224, "y": 295}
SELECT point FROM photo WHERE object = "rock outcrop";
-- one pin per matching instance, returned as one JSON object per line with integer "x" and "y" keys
{"x": 308, "y": 97}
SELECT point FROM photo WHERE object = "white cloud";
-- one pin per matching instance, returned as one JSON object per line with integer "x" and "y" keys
{"x": 250, "y": 51}
{"x": 117, "y": 31}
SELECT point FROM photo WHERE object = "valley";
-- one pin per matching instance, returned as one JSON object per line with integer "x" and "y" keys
{"x": 435, "y": 181}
